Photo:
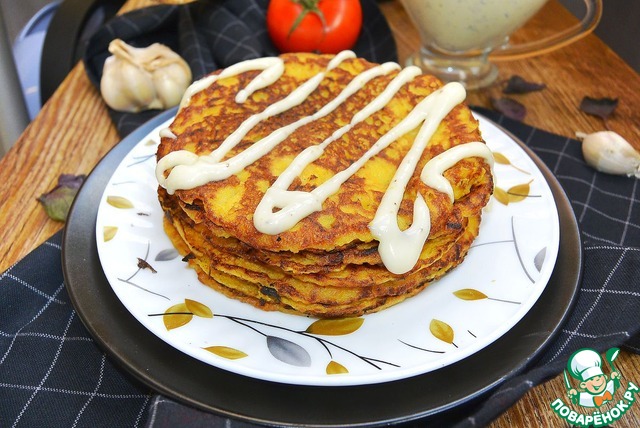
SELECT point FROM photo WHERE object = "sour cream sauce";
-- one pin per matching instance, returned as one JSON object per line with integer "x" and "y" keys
{"x": 462, "y": 25}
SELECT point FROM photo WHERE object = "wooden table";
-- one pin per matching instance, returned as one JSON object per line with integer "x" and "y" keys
{"x": 73, "y": 132}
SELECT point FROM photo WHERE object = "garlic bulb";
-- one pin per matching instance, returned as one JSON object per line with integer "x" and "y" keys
{"x": 608, "y": 152}
{"x": 136, "y": 79}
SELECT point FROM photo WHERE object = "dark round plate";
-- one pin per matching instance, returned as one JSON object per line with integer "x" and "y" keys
{"x": 181, "y": 377}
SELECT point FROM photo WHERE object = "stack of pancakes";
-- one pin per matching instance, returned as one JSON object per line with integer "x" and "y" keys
{"x": 327, "y": 265}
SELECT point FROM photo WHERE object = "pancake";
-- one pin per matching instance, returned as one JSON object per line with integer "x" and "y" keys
{"x": 330, "y": 261}
{"x": 272, "y": 291}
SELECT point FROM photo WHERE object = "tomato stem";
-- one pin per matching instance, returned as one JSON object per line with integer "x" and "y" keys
{"x": 308, "y": 6}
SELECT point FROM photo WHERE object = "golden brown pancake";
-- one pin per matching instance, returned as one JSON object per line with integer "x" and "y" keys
{"x": 327, "y": 265}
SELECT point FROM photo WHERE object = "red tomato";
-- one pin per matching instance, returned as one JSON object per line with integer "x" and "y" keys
{"x": 297, "y": 25}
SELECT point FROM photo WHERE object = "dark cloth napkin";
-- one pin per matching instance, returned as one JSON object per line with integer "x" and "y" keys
{"x": 607, "y": 310}
{"x": 53, "y": 374}
{"x": 214, "y": 34}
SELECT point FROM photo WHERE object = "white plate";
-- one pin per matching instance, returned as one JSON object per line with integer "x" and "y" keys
{"x": 501, "y": 278}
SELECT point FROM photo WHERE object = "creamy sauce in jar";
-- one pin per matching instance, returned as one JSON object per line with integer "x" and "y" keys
{"x": 462, "y": 25}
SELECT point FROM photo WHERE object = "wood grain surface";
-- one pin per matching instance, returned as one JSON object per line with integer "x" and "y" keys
{"x": 73, "y": 132}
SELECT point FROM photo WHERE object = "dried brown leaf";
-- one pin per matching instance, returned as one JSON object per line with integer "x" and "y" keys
{"x": 58, "y": 200}
{"x": 510, "y": 108}
{"x": 517, "y": 85}
{"x": 601, "y": 107}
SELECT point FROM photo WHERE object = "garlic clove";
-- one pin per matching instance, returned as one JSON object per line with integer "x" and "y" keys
{"x": 608, "y": 152}
{"x": 138, "y": 88}
{"x": 136, "y": 79}
{"x": 171, "y": 84}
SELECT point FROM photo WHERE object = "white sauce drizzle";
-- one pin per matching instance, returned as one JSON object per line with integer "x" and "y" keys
{"x": 399, "y": 250}
{"x": 190, "y": 170}
{"x": 431, "y": 174}
{"x": 167, "y": 133}
{"x": 296, "y": 205}
{"x": 272, "y": 67}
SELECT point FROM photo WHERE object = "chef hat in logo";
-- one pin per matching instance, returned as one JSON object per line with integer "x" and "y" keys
{"x": 585, "y": 364}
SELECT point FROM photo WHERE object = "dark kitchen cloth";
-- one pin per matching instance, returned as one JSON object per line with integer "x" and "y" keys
{"x": 214, "y": 34}
{"x": 53, "y": 374}
{"x": 607, "y": 311}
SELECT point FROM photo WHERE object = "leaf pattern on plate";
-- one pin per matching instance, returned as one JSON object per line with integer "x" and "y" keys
{"x": 176, "y": 316}
{"x": 538, "y": 260}
{"x": 109, "y": 232}
{"x": 441, "y": 330}
{"x": 119, "y": 202}
{"x": 288, "y": 351}
{"x": 432, "y": 351}
{"x": 470, "y": 294}
{"x": 519, "y": 192}
{"x": 503, "y": 160}
{"x": 226, "y": 352}
{"x": 166, "y": 255}
{"x": 198, "y": 309}
{"x": 143, "y": 264}
{"x": 515, "y": 244}
{"x": 335, "y": 327}
{"x": 335, "y": 367}
{"x": 501, "y": 195}
{"x": 516, "y": 193}
{"x": 282, "y": 349}
{"x": 141, "y": 159}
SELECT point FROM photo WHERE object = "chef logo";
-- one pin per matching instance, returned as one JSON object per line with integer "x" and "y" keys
{"x": 592, "y": 387}
{"x": 595, "y": 388}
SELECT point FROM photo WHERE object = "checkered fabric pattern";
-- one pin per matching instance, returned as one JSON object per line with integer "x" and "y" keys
{"x": 606, "y": 312}
{"x": 52, "y": 374}
{"x": 214, "y": 34}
